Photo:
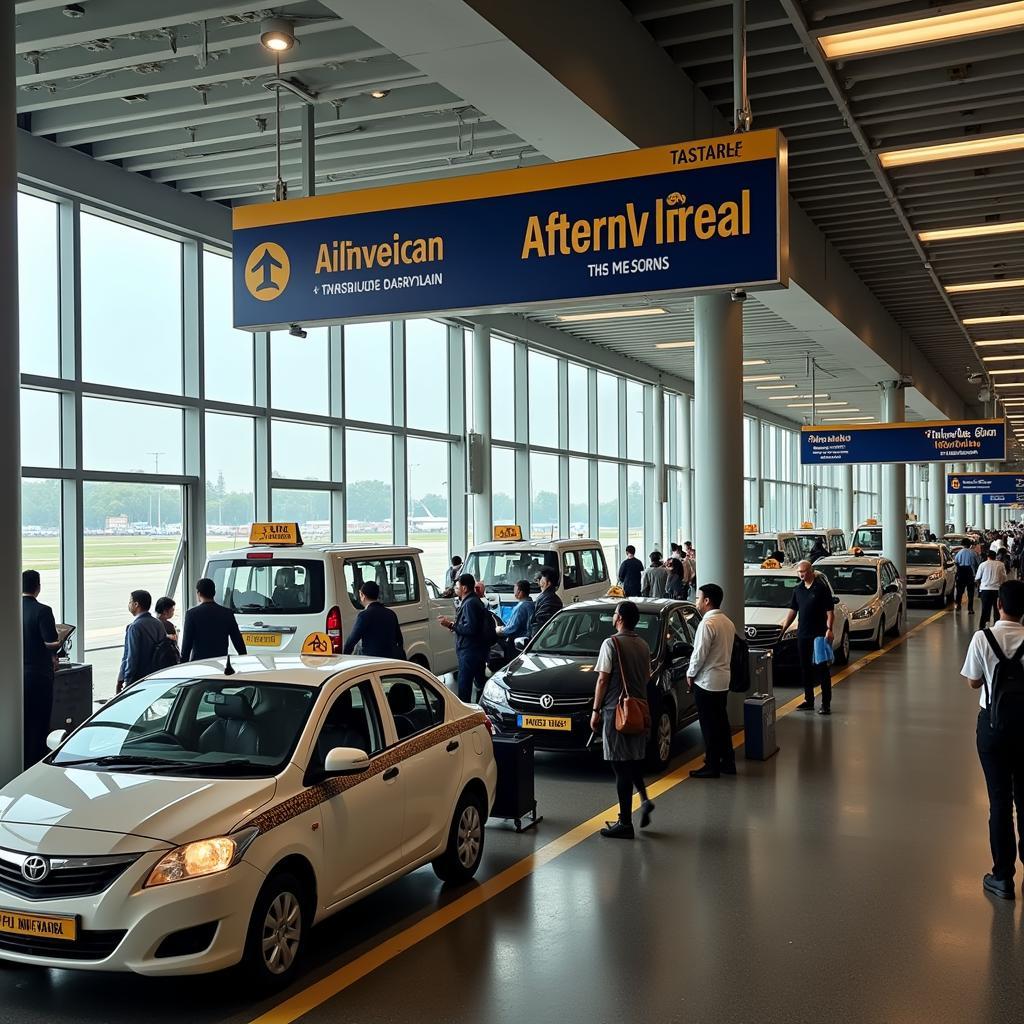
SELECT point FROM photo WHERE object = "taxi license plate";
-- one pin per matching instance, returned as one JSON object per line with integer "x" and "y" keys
{"x": 544, "y": 722}
{"x": 40, "y": 926}
{"x": 262, "y": 639}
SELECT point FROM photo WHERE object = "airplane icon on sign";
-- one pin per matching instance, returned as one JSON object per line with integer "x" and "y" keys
{"x": 268, "y": 265}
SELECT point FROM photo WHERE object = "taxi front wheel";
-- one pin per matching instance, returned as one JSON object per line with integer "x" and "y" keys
{"x": 277, "y": 931}
{"x": 465, "y": 848}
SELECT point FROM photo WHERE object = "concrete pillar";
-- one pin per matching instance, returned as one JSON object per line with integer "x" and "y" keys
{"x": 990, "y": 510}
{"x": 959, "y": 504}
{"x": 10, "y": 437}
{"x": 717, "y": 460}
{"x": 937, "y": 498}
{"x": 894, "y": 485}
{"x": 686, "y": 461}
{"x": 481, "y": 422}
{"x": 846, "y": 502}
{"x": 659, "y": 498}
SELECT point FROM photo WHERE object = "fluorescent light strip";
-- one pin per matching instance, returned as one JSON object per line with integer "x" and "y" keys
{"x": 985, "y": 286}
{"x": 922, "y": 31}
{"x": 1005, "y": 373}
{"x": 951, "y": 150}
{"x": 1008, "y": 384}
{"x": 787, "y": 398}
{"x": 844, "y": 419}
{"x": 674, "y": 344}
{"x": 778, "y": 387}
{"x": 812, "y": 405}
{"x": 1000, "y": 359}
{"x": 763, "y": 376}
{"x": 755, "y": 362}
{"x": 1013, "y": 318}
{"x": 975, "y": 231}
{"x": 1002, "y": 341}
{"x": 611, "y": 314}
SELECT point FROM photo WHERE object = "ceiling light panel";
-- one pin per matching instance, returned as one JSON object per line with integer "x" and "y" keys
{"x": 1001, "y": 359}
{"x": 1006, "y": 318}
{"x": 763, "y": 376}
{"x": 674, "y": 344}
{"x": 901, "y": 35}
{"x": 1002, "y": 341}
{"x": 952, "y": 150}
{"x": 985, "y": 286}
{"x": 610, "y": 314}
{"x": 778, "y": 387}
{"x": 974, "y": 231}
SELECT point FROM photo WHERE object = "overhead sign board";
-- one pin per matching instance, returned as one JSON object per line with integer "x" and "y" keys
{"x": 1002, "y": 499}
{"x": 985, "y": 483}
{"x": 693, "y": 216}
{"x": 931, "y": 441}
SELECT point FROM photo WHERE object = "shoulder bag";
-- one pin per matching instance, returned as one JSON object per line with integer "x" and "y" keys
{"x": 632, "y": 714}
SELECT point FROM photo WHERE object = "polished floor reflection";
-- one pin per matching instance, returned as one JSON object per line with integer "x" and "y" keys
{"x": 840, "y": 880}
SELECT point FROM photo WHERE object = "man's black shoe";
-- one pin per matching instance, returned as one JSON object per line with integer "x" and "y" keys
{"x": 728, "y": 769}
{"x": 617, "y": 830}
{"x": 807, "y": 705}
{"x": 704, "y": 773}
{"x": 825, "y": 711}
{"x": 970, "y": 611}
{"x": 645, "y": 813}
{"x": 998, "y": 887}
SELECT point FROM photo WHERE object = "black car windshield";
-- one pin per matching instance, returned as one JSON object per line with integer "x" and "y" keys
{"x": 923, "y": 556}
{"x": 210, "y": 727}
{"x": 580, "y": 632}
{"x": 868, "y": 537}
{"x": 768, "y": 591}
{"x": 501, "y": 570}
{"x": 756, "y": 551}
{"x": 860, "y": 580}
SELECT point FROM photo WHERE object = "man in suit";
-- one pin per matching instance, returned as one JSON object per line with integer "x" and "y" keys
{"x": 39, "y": 648}
{"x": 549, "y": 604}
{"x": 473, "y": 636}
{"x": 376, "y": 626}
{"x": 208, "y": 626}
{"x": 141, "y": 638}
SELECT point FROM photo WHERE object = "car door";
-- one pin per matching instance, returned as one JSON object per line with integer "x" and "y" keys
{"x": 432, "y": 771}
{"x": 572, "y": 577}
{"x": 677, "y": 631}
{"x": 363, "y": 818}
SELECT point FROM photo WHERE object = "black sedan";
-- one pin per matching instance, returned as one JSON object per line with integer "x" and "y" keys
{"x": 548, "y": 690}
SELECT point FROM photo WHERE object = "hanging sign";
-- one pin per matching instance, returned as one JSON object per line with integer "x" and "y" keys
{"x": 984, "y": 483}
{"x": 693, "y": 216}
{"x": 1002, "y": 499}
{"x": 932, "y": 441}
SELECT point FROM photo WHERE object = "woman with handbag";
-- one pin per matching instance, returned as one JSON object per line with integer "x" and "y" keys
{"x": 620, "y": 711}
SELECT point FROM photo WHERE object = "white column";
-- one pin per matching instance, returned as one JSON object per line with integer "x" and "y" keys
{"x": 718, "y": 462}
{"x": 959, "y": 505}
{"x": 481, "y": 422}
{"x": 658, "y": 500}
{"x": 10, "y": 447}
{"x": 990, "y": 510}
{"x": 937, "y": 498}
{"x": 686, "y": 461}
{"x": 846, "y": 502}
{"x": 894, "y": 485}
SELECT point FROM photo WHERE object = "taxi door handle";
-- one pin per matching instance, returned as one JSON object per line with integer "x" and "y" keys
{"x": 453, "y": 746}
{"x": 391, "y": 773}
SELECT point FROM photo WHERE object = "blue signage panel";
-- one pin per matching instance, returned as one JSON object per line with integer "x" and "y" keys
{"x": 1002, "y": 499}
{"x": 695, "y": 216}
{"x": 985, "y": 483}
{"x": 933, "y": 441}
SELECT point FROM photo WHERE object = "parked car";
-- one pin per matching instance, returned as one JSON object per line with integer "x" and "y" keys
{"x": 872, "y": 590}
{"x": 868, "y": 537}
{"x": 833, "y": 538}
{"x": 548, "y": 691}
{"x": 767, "y": 596}
{"x": 200, "y": 819}
{"x": 931, "y": 573}
{"x": 759, "y": 546}
{"x": 955, "y": 541}
{"x": 282, "y": 592}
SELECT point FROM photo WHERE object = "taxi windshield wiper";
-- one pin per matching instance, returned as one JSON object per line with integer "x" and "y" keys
{"x": 120, "y": 759}
{"x": 238, "y": 765}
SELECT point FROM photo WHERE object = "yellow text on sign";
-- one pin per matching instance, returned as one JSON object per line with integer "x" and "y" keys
{"x": 275, "y": 533}
{"x": 543, "y": 722}
{"x": 317, "y": 643}
{"x": 39, "y": 925}
{"x": 508, "y": 533}
{"x": 261, "y": 639}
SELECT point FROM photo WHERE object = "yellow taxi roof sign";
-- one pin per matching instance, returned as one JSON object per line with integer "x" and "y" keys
{"x": 750, "y": 527}
{"x": 870, "y": 522}
{"x": 806, "y": 525}
{"x": 317, "y": 644}
{"x": 285, "y": 534}
{"x": 507, "y": 533}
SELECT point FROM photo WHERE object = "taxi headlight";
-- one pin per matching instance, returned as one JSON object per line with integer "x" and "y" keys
{"x": 866, "y": 612}
{"x": 790, "y": 633}
{"x": 494, "y": 693}
{"x": 204, "y": 857}
{"x": 935, "y": 576}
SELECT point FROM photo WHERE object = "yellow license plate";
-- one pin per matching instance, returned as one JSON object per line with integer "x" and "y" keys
{"x": 41, "y": 926}
{"x": 262, "y": 639}
{"x": 544, "y": 722}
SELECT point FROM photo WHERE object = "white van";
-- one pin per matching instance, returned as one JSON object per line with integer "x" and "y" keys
{"x": 280, "y": 593}
{"x": 833, "y": 538}
{"x": 580, "y": 564}
{"x": 759, "y": 546}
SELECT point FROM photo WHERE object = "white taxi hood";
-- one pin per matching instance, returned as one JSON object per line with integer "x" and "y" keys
{"x": 765, "y": 616}
{"x": 171, "y": 810}
{"x": 854, "y": 602}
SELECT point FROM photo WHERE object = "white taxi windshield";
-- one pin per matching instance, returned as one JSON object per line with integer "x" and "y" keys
{"x": 858, "y": 580}
{"x": 213, "y": 727}
{"x": 768, "y": 591}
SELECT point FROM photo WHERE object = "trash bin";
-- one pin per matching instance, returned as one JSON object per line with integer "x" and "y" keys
{"x": 759, "y": 727}
{"x": 514, "y": 797}
{"x": 72, "y": 696}
{"x": 762, "y": 681}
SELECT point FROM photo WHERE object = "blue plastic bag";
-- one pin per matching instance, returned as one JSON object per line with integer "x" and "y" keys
{"x": 823, "y": 653}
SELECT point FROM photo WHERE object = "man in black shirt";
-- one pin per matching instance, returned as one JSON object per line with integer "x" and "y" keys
{"x": 473, "y": 637}
{"x": 376, "y": 626}
{"x": 812, "y": 599}
{"x": 208, "y": 627}
{"x": 39, "y": 648}
{"x": 549, "y": 604}
{"x": 630, "y": 572}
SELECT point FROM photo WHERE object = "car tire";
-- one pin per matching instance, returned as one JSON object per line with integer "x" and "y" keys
{"x": 465, "y": 848}
{"x": 280, "y": 921}
{"x": 897, "y": 630}
{"x": 880, "y": 639}
{"x": 842, "y": 656}
{"x": 659, "y": 743}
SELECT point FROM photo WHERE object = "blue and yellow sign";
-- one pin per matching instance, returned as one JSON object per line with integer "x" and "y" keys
{"x": 984, "y": 483}
{"x": 1002, "y": 499}
{"x": 930, "y": 441}
{"x": 695, "y": 216}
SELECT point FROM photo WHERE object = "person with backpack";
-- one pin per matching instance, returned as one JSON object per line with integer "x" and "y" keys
{"x": 708, "y": 677}
{"x": 995, "y": 665}
{"x": 141, "y": 640}
{"x": 475, "y": 633}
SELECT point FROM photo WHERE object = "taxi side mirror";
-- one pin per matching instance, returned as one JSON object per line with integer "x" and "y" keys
{"x": 520, "y": 643}
{"x": 56, "y": 738}
{"x": 346, "y": 761}
{"x": 835, "y": 600}
{"x": 891, "y": 588}
{"x": 679, "y": 650}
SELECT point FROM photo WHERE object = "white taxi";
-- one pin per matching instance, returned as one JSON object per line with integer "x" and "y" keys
{"x": 871, "y": 588}
{"x": 205, "y": 817}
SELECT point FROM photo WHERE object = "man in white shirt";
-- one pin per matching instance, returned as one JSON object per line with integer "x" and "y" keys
{"x": 991, "y": 575}
{"x": 707, "y": 677}
{"x": 1001, "y": 753}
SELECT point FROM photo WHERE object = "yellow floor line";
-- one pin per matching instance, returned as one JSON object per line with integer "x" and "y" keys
{"x": 309, "y": 998}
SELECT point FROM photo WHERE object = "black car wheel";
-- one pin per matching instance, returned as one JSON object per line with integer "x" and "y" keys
{"x": 277, "y": 931}
{"x": 880, "y": 639}
{"x": 465, "y": 847}
{"x": 659, "y": 745}
{"x": 843, "y": 654}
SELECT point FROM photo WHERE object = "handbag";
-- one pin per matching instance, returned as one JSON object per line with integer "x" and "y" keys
{"x": 632, "y": 714}
{"x": 823, "y": 653}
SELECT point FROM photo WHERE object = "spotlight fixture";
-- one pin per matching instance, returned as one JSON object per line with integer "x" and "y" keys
{"x": 379, "y": 94}
{"x": 296, "y": 331}
{"x": 277, "y": 34}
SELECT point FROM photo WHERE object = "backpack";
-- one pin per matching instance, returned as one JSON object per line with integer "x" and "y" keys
{"x": 165, "y": 655}
{"x": 739, "y": 666}
{"x": 490, "y": 633}
{"x": 1006, "y": 700}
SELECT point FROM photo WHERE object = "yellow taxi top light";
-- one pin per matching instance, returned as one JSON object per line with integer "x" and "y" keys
{"x": 285, "y": 534}
{"x": 922, "y": 31}
{"x": 951, "y": 150}
{"x": 750, "y": 528}
{"x": 507, "y": 532}
{"x": 973, "y": 231}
